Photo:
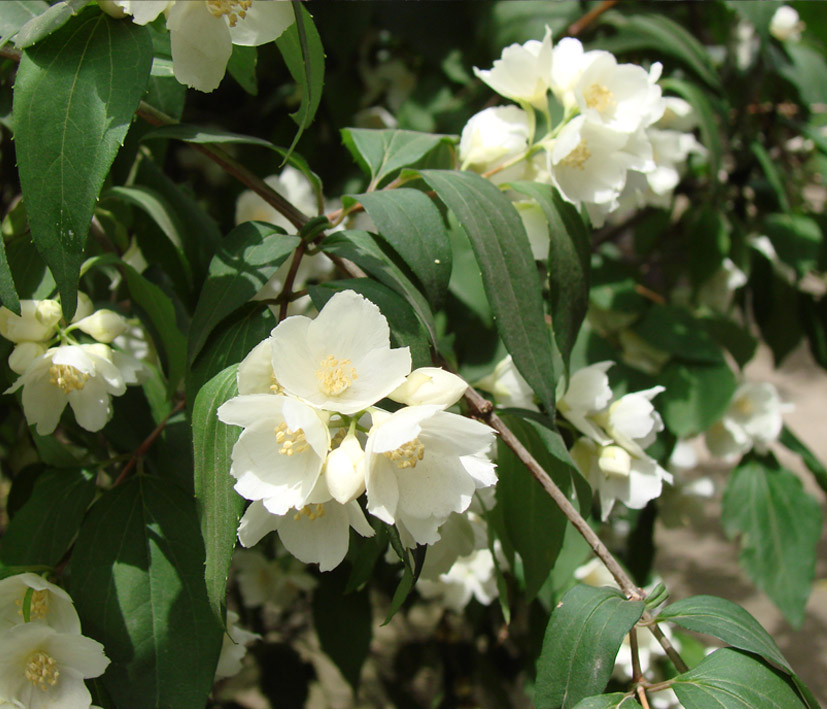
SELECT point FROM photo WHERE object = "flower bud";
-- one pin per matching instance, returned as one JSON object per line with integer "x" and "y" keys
{"x": 85, "y": 307}
{"x": 430, "y": 385}
{"x": 103, "y": 325}
{"x": 37, "y": 321}
{"x": 345, "y": 470}
{"x": 24, "y": 354}
{"x": 614, "y": 460}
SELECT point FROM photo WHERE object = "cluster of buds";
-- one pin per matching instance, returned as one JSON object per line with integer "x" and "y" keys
{"x": 57, "y": 368}
{"x": 314, "y": 440}
{"x": 44, "y": 658}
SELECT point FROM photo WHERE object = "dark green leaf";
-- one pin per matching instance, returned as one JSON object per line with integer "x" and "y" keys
{"x": 301, "y": 47}
{"x": 248, "y": 257}
{"x": 410, "y": 222}
{"x": 380, "y": 152}
{"x": 673, "y": 330}
{"x": 696, "y": 396}
{"x": 8, "y": 291}
{"x": 731, "y": 679}
{"x": 796, "y": 238}
{"x": 581, "y": 644}
{"x": 43, "y": 528}
{"x": 734, "y": 337}
{"x": 816, "y": 467}
{"x": 74, "y": 98}
{"x": 779, "y": 526}
{"x": 242, "y": 67}
{"x": 569, "y": 262}
{"x": 772, "y": 174}
{"x": 17, "y": 13}
{"x": 47, "y": 22}
{"x": 137, "y": 574}
{"x": 219, "y": 505}
{"x": 510, "y": 277}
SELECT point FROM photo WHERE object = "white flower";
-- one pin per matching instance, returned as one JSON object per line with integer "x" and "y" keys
{"x": 678, "y": 115}
{"x": 263, "y": 581}
{"x": 670, "y": 150}
{"x": 470, "y": 576}
{"x": 345, "y": 470}
{"x": 430, "y": 385}
{"x": 291, "y": 184}
{"x": 342, "y": 360}
{"x": 786, "y": 25}
{"x": 492, "y": 136}
{"x": 316, "y": 533}
{"x": 24, "y": 354}
{"x": 459, "y": 536}
{"x": 568, "y": 63}
{"x": 142, "y": 11}
{"x": 37, "y": 321}
{"x": 255, "y": 371}
{"x": 41, "y": 668}
{"x": 508, "y": 386}
{"x": 717, "y": 291}
{"x": 632, "y": 421}
{"x": 595, "y": 573}
{"x": 233, "y": 647}
{"x": 523, "y": 72}
{"x": 587, "y": 394}
{"x": 536, "y": 227}
{"x": 44, "y": 603}
{"x": 279, "y": 455}
{"x": 624, "y": 97}
{"x": 84, "y": 376}
{"x": 422, "y": 464}
{"x": 202, "y": 35}
{"x": 104, "y": 325}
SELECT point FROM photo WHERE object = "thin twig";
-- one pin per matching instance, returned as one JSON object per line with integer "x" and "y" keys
{"x": 575, "y": 28}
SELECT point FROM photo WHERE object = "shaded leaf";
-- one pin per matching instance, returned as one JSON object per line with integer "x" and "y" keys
{"x": 816, "y": 467}
{"x": 696, "y": 396}
{"x": 17, "y": 13}
{"x": 44, "y": 23}
{"x": 8, "y": 291}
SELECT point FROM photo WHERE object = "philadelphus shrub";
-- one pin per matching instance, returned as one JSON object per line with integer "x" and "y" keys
{"x": 44, "y": 658}
{"x": 314, "y": 440}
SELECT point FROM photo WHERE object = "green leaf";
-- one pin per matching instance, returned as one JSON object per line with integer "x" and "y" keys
{"x": 74, "y": 98}
{"x": 726, "y": 621}
{"x": 137, "y": 579}
{"x": 733, "y": 336}
{"x": 779, "y": 526}
{"x": 249, "y": 255}
{"x": 242, "y": 67}
{"x": 665, "y": 36}
{"x": 47, "y": 22}
{"x": 410, "y": 222}
{"x": 8, "y": 291}
{"x": 17, "y": 13}
{"x": 301, "y": 47}
{"x": 816, "y": 467}
{"x": 43, "y": 528}
{"x": 731, "y": 679}
{"x": 805, "y": 72}
{"x": 219, "y": 505}
{"x": 772, "y": 174}
{"x": 510, "y": 277}
{"x": 343, "y": 624}
{"x": 696, "y": 396}
{"x": 796, "y": 238}
{"x": 608, "y": 701}
{"x": 569, "y": 262}
{"x": 581, "y": 644}
{"x": 674, "y": 330}
{"x": 381, "y": 152}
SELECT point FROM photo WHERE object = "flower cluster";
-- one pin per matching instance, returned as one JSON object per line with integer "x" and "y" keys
{"x": 44, "y": 658}
{"x": 619, "y": 143}
{"x": 202, "y": 32}
{"x": 56, "y": 368}
{"x": 314, "y": 440}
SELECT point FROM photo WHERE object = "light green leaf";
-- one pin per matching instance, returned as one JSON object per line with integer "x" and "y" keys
{"x": 796, "y": 238}
{"x": 301, "y": 47}
{"x": 43, "y": 528}
{"x": 45, "y": 23}
{"x": 242, "y": 67}
{"x": 730, "y": 679}
{"x": 581, "y": 644}
{"x": 219, "y": 505}
{"x": 381, "y": 152}
{"x": 779, "y": 526}
{"x": 74, "y": 98}
{"x": 510, "y": 277}
{"x": 805, "y": 72}
{"x": 137, "y": 579}
{"x": 248, "y": 257}
{"x": 608, "y": 701}
{"x": 696, "y": 396}
{"x": 410, "y": 222}
{"x": 569, "y": 263}
{"x": 816, "y": 467}
{"x": 17, "y": 13}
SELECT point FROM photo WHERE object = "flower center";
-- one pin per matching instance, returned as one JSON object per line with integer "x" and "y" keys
{"x": 615, "y": 461}
{"x": 599, "y": 98}
{"x": 335, "y": 375}
{"x": 275, "y": 387}
{"x": 38, "y": 605}
{"x": 233, "y": 9}
{"x": 408, "y": 454}
{"x": 577, "y": 157}
{"x": 67, "y": 378}
{"x": 291, "y": 441}
{"x": 41, "y": 670}
{"x": 312, "y": 512}
{"x": 744, "y": 406}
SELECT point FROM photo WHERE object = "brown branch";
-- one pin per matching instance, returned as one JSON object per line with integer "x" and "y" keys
{"x": 575, "y": 28}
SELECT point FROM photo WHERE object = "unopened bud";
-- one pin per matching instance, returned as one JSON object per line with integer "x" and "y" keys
{"x": 345, "y": 470}
{"x": 430, "y": 385}
{"x": 614, "y": 460}
{"x": 37, "y": 321}
{"x": 103, "y": 325}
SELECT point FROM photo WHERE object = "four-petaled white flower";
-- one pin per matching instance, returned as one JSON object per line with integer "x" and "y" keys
{"x": 30, "y": 598}
{"x": 471, "y": 576}
{"x": 342, "y": 360}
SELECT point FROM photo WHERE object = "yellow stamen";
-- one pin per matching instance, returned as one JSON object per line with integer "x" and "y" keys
{"x": 408, "y": 454}
{"x": 577, "y": 157}
{"x": 744, "y": 406}
{"x": 38, "y": 607}
{"x": 41, "y": 670}
{"x": 599, "y": 98}
{"x": 335, "y": 375}
{"x": 67, "y": 378}
{"x": 275, "y": 387}
{"x": 337, "y": 439}
{"x": 292, "y": 442}
{"x": 233, "y": 9}
{"x": 312, "y": 512}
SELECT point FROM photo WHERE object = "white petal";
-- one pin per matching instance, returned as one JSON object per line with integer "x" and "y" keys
{"x": 323, "y": 540}
{"x": 248, "y": 409}
{"x": 255, "y": 523}
{"x": 265, "y": 21}
{"x": 201, "y": 45}
{"x": 91, "y": 405}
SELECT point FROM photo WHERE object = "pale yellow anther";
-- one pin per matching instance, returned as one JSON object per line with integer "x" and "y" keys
{"x": 38, "y": 607}
{"x": 275, "y": 387}
{"x": 67, "y": 378}
{"x": 234, "y": 10}
{"x": 292, "y": 442}
{"x": 408, "y": 454}
{"x": 41, "y": 670}
{"x": 577, "y": 157}
{"x": 312, "y": 512}
{"x": 744, "y": 406}
{"x": 599, "y": 98}
{"x": 335, "y": 375}
{"x": 337, "y": 438}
